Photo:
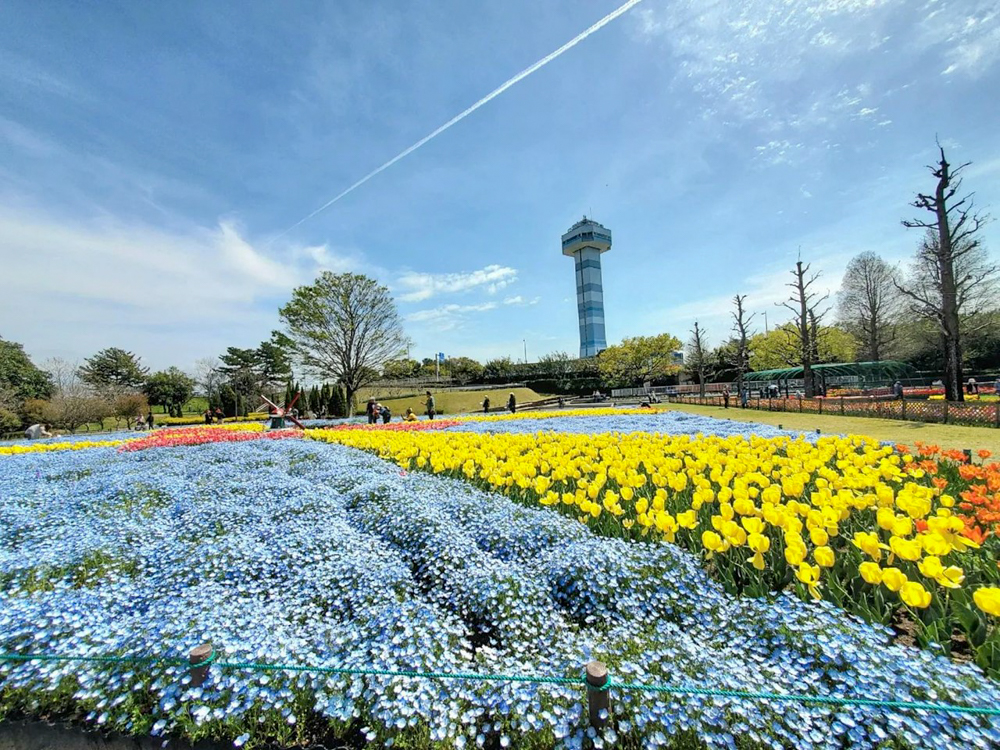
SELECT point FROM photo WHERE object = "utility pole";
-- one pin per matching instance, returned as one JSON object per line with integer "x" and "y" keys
{"x": 523, "y": 341}
{"x": 765, "y": 322}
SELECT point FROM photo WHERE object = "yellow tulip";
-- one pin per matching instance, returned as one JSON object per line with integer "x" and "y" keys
{"x": 795, "y": 554}
{"x": 931, "y": 567}
{"x": 871, "y": 572}
{"x": 819, "y": 536}
{"x": 893, "y": 578}
{"x": 687, "y": 520}
{"x": 988, "y": 600}
{"x": 824, "y": 557}
{"x": 915, "y": 595}
{"x": 908, "y": 549}
{"x": 809, "y": 575}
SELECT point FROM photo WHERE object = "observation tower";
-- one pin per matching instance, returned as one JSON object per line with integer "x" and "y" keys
{"x": 584, "y": 242}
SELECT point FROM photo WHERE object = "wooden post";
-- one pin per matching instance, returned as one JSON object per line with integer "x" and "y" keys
{"x": 598, "y": 701}
{"x": 946, "y": 410}
{"x": 903, "y": 407}
{"x": 198, "y": 655}
{"x": 996, "y": 410}
{"x": 841, "y": 406}
{"x": 820, "y": 406}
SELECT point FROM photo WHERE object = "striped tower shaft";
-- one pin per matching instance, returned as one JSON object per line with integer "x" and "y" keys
{"x": 590, "y": 301}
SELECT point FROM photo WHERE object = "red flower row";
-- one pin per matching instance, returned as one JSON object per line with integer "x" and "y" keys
{"x": 202, "y": 435}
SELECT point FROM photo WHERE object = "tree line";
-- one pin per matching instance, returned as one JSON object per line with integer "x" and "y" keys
{"x": 344, "y": 331}
{"x": 940, "y": 313}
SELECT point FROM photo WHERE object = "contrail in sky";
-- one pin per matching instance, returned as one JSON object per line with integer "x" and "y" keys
{"x": 466, "y": 112}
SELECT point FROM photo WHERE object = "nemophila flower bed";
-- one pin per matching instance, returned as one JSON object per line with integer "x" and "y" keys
{"x": 301, "y": 553}
{"x": 846, "y": 519}
{"x": 590, "y": 421}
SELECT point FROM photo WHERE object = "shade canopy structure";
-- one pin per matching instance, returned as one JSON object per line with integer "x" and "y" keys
{"x": 866, "y": 372}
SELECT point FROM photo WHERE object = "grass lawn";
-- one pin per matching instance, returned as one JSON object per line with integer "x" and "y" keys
{"x": 447, "y": 402}
{"x": 907, "y": 433}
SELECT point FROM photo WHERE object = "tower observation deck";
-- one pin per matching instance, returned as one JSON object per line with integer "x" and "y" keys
{"x": 584, "y": 242}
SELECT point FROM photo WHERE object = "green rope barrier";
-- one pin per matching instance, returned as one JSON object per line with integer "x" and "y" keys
{"x": 821, "y": 699}
{"x": 535, "y": 679}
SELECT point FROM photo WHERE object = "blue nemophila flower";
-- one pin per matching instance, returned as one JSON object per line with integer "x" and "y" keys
{"x": 311, "y": 554}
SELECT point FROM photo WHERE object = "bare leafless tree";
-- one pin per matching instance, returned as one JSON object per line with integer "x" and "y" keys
{"x": 951, "y": 277}
{"x": 697, "y": 360}
{"x": 741, "y": 340}
{"x": 869, "y": 304}
{"x": 804, "y": 304}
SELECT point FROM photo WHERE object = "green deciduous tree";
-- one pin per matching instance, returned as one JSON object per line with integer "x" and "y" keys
{"x": 464, "y": 370}
{"x": 19, "y": 377}
{"x": 637, "y": 360}
{"x": 399, "y": 369}
{"x": 344, "y": 326}
{"x": 114, "y": 370}
{"x": 780, "y": 347}
{"x": 169, "y": 388}
{"x": 499, "y": 370}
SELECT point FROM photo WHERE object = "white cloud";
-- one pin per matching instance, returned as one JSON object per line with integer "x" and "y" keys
{"x": 768, "y": 63}
{"x": 741, "y": 55}
{"x": 447, "y": 317}
{"x": 521, "y": 301}
{"x": 968, "y": 35}
{"x": 72, "y": 285}
{"x": 422, "y": 286}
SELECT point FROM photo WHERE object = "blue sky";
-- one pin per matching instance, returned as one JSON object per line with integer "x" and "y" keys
{"x": 152, "y": 154}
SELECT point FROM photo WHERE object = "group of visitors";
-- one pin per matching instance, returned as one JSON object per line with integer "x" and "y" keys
{"x": 972, "y": 387}
{"x": 144, "y": 423}
{"x": 214, "y": 415}
{"x": 376, "y": 411}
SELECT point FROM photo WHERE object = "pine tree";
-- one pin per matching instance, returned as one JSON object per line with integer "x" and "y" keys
{"x": 336, "y": 408}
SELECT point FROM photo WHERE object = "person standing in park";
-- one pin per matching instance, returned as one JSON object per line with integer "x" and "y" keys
{"x": 149, "y": 420}
{"x": 897, "y": 390}
{"x": 512, "y": 403}
{"x": 744, "y": 396}
{"x": 486, "y": 404}
{"x": 384, "y": 412}
{"x": 430, "y": 406}
{"x": 208, "y": 416}
{"x": 725, "y": 398}
{"x": 36, "y": 432}
{"x": 219, "y": 416}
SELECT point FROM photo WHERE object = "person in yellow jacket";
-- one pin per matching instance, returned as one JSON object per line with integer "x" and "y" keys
{"x": 410, "y": 416}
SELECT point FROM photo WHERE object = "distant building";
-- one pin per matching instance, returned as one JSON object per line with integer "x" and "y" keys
{"x": 584, "y": 242}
